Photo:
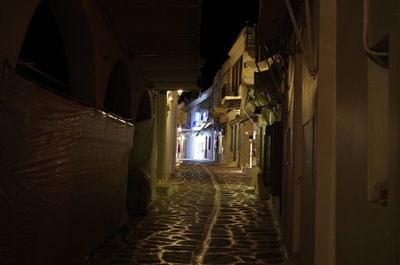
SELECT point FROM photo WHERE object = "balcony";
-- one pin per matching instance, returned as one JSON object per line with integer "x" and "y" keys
{"x": 230, "y": 96}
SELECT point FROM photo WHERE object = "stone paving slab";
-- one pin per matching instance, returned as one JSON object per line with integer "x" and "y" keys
{"x": 174, "y": 232}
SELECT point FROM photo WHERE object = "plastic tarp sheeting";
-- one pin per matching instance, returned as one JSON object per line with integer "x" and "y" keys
{"x": 63, "y": 176}
{"x": 141, "y": 168}
{"x": 141, "y": 157}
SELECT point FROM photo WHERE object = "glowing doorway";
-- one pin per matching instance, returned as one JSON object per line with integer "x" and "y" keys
{"x": 199, "y": 147}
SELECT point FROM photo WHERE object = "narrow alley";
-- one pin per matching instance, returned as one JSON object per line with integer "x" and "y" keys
{"x": 213, "y": 217}
{"x": 258, "y": 132}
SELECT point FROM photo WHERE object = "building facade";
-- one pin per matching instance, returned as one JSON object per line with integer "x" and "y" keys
{"x": 323, "y": 65}
{"x": 197, "y": 136}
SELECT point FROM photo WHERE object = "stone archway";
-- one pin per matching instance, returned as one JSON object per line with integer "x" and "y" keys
{"x": 57, "y": 50}
{"x": 118, "y": 94}
{"x": 42, "y": 57}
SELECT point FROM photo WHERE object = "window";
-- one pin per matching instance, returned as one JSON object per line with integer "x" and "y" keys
{"x": 236, "y": 76}
{"x": 196, "y": 119}
{"x": 204, "y": 116}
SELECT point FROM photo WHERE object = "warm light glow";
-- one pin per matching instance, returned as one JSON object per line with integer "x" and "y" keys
{"x": 251, "y": 154}
{"x": 180, "y": 91}
{"x": 179, "y": 129}
{"x": 169, "y": 96}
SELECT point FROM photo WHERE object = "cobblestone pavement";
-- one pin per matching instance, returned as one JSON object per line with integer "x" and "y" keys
{"x": 212, "y": 218}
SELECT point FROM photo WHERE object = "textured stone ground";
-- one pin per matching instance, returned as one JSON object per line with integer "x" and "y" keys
{"x": 198, "y": 225}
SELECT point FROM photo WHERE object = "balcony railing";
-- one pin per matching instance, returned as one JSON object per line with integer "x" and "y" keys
{"x": 226, "y": 89}
{"x": 229, "y": 90}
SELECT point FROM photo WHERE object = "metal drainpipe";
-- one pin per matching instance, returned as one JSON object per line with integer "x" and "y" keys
{"x": 307, "y": 58}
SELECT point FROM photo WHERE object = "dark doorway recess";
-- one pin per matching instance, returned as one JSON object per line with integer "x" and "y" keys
{"x": 118, "y": 94}
{"x": 42, "y": 56}
{"x": 144, "y": 109}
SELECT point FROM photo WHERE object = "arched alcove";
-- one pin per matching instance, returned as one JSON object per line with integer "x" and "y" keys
{"x": 139, "y": 178}
{"x": 118, "y": 95}
{"x": 42, "y": 55}
{"x": 144, "y": 108}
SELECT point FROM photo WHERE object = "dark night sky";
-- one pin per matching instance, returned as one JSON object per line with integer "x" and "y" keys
{"x": 222, "y": 21}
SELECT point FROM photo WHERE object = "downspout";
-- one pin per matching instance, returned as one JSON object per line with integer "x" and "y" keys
{"x": 309, "y": 63}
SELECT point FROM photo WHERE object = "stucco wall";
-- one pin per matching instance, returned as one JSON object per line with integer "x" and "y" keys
{"x": 325, "y": 138}
{"x": 246, "y": 126}
{"x": 394, "y": 113}
{"x": 365, "y": 234}
{"x": 77, "y": 40}
{"x": 105, "y": 47}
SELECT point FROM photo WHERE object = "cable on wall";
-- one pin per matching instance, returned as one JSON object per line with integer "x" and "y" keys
{"x": 307, "y": 57}
{"x": 367, "y": 49}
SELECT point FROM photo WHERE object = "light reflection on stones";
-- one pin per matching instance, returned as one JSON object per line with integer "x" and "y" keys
{"x": 172, "y": 232}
